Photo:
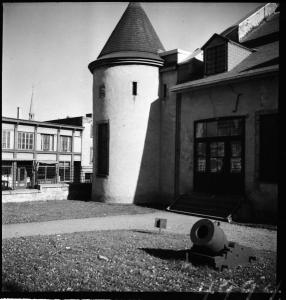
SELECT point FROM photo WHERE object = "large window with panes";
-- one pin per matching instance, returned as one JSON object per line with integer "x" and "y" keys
{"x": 47, "y": 142}
{"x": 46, "y": 173}
{"x": 6, "y": 136}
{"x": 25, "y": 140}
{"x": 65, "y": 171}
{"x": 215, "y": 59}
{"x": 66, "y": 142}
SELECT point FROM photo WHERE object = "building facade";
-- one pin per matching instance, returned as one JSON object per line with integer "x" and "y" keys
{"x": 86, "y": 168}
{"x": 170, "y": 123}
{"x": 35, "y": 153}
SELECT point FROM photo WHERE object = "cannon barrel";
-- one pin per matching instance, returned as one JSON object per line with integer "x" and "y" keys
{"x": 208, "y": 235}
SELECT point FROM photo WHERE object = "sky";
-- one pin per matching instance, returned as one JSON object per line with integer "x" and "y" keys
{"x": 49, "y": 46}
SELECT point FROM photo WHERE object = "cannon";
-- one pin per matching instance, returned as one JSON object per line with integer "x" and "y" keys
{"x": 210, "y": 245}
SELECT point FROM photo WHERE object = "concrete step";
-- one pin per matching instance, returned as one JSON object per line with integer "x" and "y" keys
{"x": 210, "y": 205}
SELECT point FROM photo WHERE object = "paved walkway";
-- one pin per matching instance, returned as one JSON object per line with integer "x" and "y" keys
{"x": 176, "y": 223}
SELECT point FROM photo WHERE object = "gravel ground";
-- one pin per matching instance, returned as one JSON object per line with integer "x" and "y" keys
{"x": 124, "y": 260}
{"x": 257, "y": 238}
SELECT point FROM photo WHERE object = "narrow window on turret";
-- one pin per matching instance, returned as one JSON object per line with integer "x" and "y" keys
{"x": 134, "y": 88}
{"x": 164, "y": 90}
{"x": 102, "y": 149}
{"x": 102, "y": 91}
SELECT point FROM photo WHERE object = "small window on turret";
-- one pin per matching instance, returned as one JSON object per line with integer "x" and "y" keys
{"x": 102, "y": 91}
{"x": 134, "y": 88}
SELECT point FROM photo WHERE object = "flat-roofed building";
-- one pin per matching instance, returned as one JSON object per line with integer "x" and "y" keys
{"x": 36, "y": 152}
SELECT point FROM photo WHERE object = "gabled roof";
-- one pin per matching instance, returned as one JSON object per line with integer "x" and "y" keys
{"x": 215, "y": 36}
{"x": 134, "y": 32}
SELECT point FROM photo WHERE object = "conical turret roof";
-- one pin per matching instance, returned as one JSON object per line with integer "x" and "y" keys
{"x": 134, "y": 32}
{"x": 133, "y": 37}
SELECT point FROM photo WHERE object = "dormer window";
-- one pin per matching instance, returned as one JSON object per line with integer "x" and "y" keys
{"x": 222, "y": 54}
{"x": 215, "y": 59}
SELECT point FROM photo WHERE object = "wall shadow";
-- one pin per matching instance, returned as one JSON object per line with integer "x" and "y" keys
{"x": 80, "y": 191}
{"x": 179, "y": 255}
{"x": 147, "y": 189}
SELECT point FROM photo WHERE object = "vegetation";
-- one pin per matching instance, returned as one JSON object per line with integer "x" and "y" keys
{"x": 123, "y": 261}
{"x": 41, "y": 211}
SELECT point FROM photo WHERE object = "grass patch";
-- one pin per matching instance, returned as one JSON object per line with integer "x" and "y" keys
{"x": 122, "y": 261}
{"x": 41, "y": 211}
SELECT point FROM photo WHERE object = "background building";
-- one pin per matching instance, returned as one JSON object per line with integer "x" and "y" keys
{"x": 36, "y": 153}
{"x": 86, "y": 170}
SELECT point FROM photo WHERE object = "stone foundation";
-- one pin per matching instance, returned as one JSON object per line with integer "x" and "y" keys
{"x": 44, "y": 192}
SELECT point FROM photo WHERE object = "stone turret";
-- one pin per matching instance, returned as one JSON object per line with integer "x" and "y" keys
{"x": 126, "y": 119}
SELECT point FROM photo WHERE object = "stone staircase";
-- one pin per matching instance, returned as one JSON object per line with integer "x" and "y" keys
{"x": 207, "y": 205}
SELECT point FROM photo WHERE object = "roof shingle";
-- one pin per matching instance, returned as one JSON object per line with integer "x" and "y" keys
{"x": 134, "y": 32}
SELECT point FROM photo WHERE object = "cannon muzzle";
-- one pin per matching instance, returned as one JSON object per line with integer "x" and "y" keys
{"x": 208, "y": 235}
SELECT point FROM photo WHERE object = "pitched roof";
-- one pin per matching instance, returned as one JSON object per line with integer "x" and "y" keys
{"x": 264, "y": 60}
{"x": 234, "y": 26}
{"x": 134, "y": 32}
{"x": 216, "y": 36}
{"x": 268, "y": 27}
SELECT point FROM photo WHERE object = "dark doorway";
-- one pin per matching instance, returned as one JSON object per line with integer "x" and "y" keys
{"x": 24, "y": 174}
{"x": 76, "y": 170}
{"x": 219, "y": 156}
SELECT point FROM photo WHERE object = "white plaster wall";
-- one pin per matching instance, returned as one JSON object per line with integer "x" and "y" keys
{"x": 44, "y": 156}
{"x": 65, "y": 158}
{"x": 133, "y": 164}
{"x": 87, "y": 142}
{"x": 38, "y": 145}
{"x": 7, "y": 156}
{"x": 66, "y": 132}
{"x": 8, "y": 126}
{"x": 26, "y": 128}
{"x": 77, "y": 158}
{"x": 25, "y": 156}
{"x": 47, "y": 130}
{"x": 77, "y": 144}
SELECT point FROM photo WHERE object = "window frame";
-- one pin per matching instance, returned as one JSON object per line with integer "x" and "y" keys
{"x": 66, "y": 167}
{"x": 216, "y": 68}
{"x": 51, "y": 142}
{"x": 6, "y": 139}
{"x": 25, "y": 139}
{"x": 69, "y": 145}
